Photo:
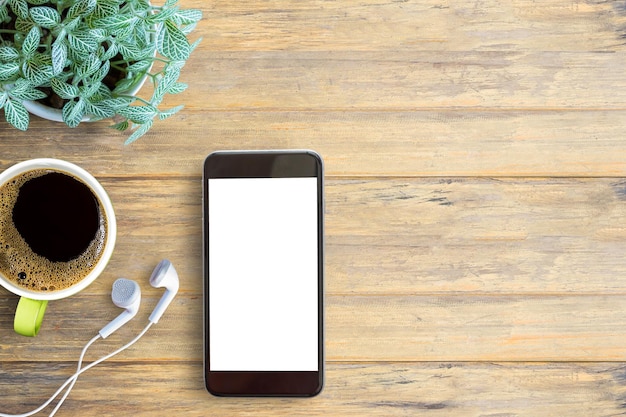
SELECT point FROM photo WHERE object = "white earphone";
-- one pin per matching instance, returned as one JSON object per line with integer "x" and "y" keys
{"x": 125, "y": 294}
{"x": 163, "y": 276}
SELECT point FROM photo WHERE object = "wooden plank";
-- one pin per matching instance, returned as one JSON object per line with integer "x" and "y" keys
{"x": 358, "y": 328}
{"x": 515, "y": 236}
{"x": 355, "y": 143}
{"x": 475, "y": 328}
{"x": 350, "y": 25}
{"x": 406, "y": 80}
{"x": 437, "y": 389}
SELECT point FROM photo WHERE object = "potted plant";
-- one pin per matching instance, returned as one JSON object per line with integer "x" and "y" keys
{"x": 86, "y": 59}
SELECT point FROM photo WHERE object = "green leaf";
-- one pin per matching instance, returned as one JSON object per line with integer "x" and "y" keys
{"x": 59, "y": 55}
{"x": 141, "y": 7}
{"x": 37, "y": 71}
{"x": 172, "y": 42}
{"x": 88, "y": 90}
{"x": 73, "y": 112}
{"x": 90, "y": 65}
{"x": 83, "y": 42}
{"x": 101, "y": 72}
{"x": 138, "y": 114}
{"x": 99, "y": 110}
{"x": 92, "y": 92}
{"x": 194, "y": 45}
{"x": 140, "y": 66}
{"x": 161, "y": 16}
{"x": 118, "y": 24}
{"x": 188, "y": 29}
{"x": 141, "y": 37}
{"x": 16, "y": 114}
{"x": 64, "y": 90}
{"x": 81, "y": 8}
{"x": 177, "y": 88}
{"x": 23, "y": 25}
{"x": 71, "y": 24}
{"x": 103, "y": 93}
{"x": 130, "y": 52}
{"x": 31, "y": 94}
{"x": 31, "y": 43}
{"x": 121, "y": 126}
{"x": 4, "y": 12}
{"x": 20, "y": 8}
{"x": 98, "y": 34}
{"x": 37, "y": 2}
{"x": 117, "y": 103}
{"x": 3, "y": 98}
{"x": 44, "y": 16}
{"x": 110, "y": 52}
{"x": 167, "y": 113}
{"x": 8, "y": 53}
{"x": 165, "y": 83}
{"x": 24, "y": 90}
{"x": 8, "y": 70}
{"x": 122, "y": 86}
{"x": 142, "y": 130}
{"x": 175, "y": 65}
{"x": 187, "y": 17}
{"x": 106, "y": 8}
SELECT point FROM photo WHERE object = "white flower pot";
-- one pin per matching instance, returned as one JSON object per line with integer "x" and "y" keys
{"x": 56, "y": 115}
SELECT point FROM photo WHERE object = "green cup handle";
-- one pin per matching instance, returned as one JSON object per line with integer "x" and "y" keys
{"x": 28, "y": 316}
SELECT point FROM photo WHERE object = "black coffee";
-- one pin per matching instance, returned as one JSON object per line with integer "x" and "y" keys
{"x": 57, "y": 216}
{"x": 52, "y": 230}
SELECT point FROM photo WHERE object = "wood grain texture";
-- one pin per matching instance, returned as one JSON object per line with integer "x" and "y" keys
{"x": 374, "y": 25}
{"x": 429, "y": 389}
{"x": 476, "y": 197}
{"x": 353, "y": 143}
{"x": 358, "y": 329}
{"x": 410, "y": 80}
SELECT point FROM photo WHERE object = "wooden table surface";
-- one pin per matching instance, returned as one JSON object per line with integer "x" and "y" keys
{"x": 476, "y": 210}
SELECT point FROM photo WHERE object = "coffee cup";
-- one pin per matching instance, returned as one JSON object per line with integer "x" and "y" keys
{"x": 57, "y": 233}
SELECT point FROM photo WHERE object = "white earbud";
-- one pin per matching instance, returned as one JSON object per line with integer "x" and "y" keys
{"x": 163, "y": 276}
{"x": 126, "y": 294}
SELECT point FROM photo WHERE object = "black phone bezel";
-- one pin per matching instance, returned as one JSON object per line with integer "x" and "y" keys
{"x": 265, "y": 164}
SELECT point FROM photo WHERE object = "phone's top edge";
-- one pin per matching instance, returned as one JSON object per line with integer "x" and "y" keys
{"x": 270, "y": 152}
{"x": 264, "y": 151}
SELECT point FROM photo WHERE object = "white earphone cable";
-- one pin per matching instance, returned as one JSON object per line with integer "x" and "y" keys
{"x": 72, "y": 379}
{"x": 80, "y": 364}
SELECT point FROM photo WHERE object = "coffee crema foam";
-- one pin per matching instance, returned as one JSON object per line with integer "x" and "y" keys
{"x": 27, "y": 269}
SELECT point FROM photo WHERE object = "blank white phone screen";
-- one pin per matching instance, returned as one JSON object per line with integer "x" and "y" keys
{"x": 263, "y": 274}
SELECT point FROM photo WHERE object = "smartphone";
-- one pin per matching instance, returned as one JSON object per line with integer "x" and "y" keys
{"x": 264, "y": 273}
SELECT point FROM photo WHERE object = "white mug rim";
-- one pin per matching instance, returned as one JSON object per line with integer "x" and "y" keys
{"x": 98, "y": 190}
